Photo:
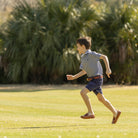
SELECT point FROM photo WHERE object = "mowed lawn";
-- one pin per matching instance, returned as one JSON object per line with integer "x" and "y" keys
{"x": 54, "y": 112}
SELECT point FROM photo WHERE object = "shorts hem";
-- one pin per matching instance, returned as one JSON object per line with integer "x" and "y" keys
{"x": 88, "y": 88}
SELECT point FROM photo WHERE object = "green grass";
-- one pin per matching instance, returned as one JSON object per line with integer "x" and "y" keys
{"x": 40, "y": 113}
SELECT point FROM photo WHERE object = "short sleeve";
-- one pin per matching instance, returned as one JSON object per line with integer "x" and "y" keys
{"x": 96, "y": 55}
{"x": 81, "y": 67}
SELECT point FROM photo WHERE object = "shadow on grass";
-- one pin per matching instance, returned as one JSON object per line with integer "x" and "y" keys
{"x": 49, "y": 127}
{"x": 37, "y": 88}
{"x": 16, "y": 90}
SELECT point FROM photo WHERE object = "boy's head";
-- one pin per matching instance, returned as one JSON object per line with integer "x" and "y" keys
{"x": 83, "y": 44}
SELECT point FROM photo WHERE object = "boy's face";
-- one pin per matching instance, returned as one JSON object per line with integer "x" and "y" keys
{"x": 81, "y": 49}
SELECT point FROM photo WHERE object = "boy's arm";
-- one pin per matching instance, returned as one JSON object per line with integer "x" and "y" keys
{"x": 106, "y": 62}
{"x": 73, "y": 77}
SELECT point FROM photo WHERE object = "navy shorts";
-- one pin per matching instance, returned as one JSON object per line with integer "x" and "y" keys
{"x": 95, "y": 85}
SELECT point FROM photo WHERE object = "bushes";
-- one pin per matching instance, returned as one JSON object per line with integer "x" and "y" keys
{"x": 40, "y": 40}
{"x": 116, "y": 35}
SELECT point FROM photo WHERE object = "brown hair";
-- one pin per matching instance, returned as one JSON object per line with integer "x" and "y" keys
{"x": 86, "y": 41}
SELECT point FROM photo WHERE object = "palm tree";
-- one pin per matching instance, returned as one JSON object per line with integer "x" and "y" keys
{"x": 116, "y": 34}
{"x": 40, "y": 40}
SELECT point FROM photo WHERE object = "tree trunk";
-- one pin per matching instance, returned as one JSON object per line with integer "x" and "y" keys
{"x": 122, "y": 53}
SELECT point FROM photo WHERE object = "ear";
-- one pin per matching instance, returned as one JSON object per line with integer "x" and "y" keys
{"x": 84, "y": 46}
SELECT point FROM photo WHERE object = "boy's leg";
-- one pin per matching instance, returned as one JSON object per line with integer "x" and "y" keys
{"x": 115, "y": 112}
{"x": 102, "y": 99}
{"x": 86, "y": 100}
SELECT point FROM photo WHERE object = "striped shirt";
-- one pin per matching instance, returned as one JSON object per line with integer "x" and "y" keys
{"x": 91, "y": 64}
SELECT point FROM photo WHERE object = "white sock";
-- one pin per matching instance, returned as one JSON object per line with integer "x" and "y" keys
{"x": 90, "y": 113}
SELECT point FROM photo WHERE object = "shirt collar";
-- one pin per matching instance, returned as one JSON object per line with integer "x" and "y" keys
{"x": 88, "y": 51}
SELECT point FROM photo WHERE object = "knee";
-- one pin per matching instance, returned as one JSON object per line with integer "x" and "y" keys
{"x": 82, "y": 93}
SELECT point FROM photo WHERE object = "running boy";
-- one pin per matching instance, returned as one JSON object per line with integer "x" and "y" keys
{"x": 91, "y": 66}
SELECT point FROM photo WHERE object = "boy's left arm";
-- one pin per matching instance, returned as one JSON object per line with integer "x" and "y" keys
{"x": 106, "y": 62}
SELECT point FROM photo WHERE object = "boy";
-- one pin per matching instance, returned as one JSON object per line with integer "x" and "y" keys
{"x": 91, "y": 66}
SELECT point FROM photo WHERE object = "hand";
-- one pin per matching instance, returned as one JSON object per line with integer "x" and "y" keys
{"x": 70, "y": 77}
{"x": 108, "y": 73}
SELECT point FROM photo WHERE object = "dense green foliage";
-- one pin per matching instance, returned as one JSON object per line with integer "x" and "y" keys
{"x": 118, "y": 35}
{"x": 38, "y": 42}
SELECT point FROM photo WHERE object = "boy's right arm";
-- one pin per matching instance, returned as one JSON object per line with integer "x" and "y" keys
{"x": 73, "y": 77}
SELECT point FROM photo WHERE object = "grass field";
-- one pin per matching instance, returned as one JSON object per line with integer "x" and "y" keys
{"x": 54, "y": 112}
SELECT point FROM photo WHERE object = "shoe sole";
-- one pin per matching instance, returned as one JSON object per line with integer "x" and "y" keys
{"x": 87, "y": 117}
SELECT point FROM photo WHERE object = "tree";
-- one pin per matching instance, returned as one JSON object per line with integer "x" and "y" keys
{"x": 40, "y": 40}
{"x": 116, "y": 35}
